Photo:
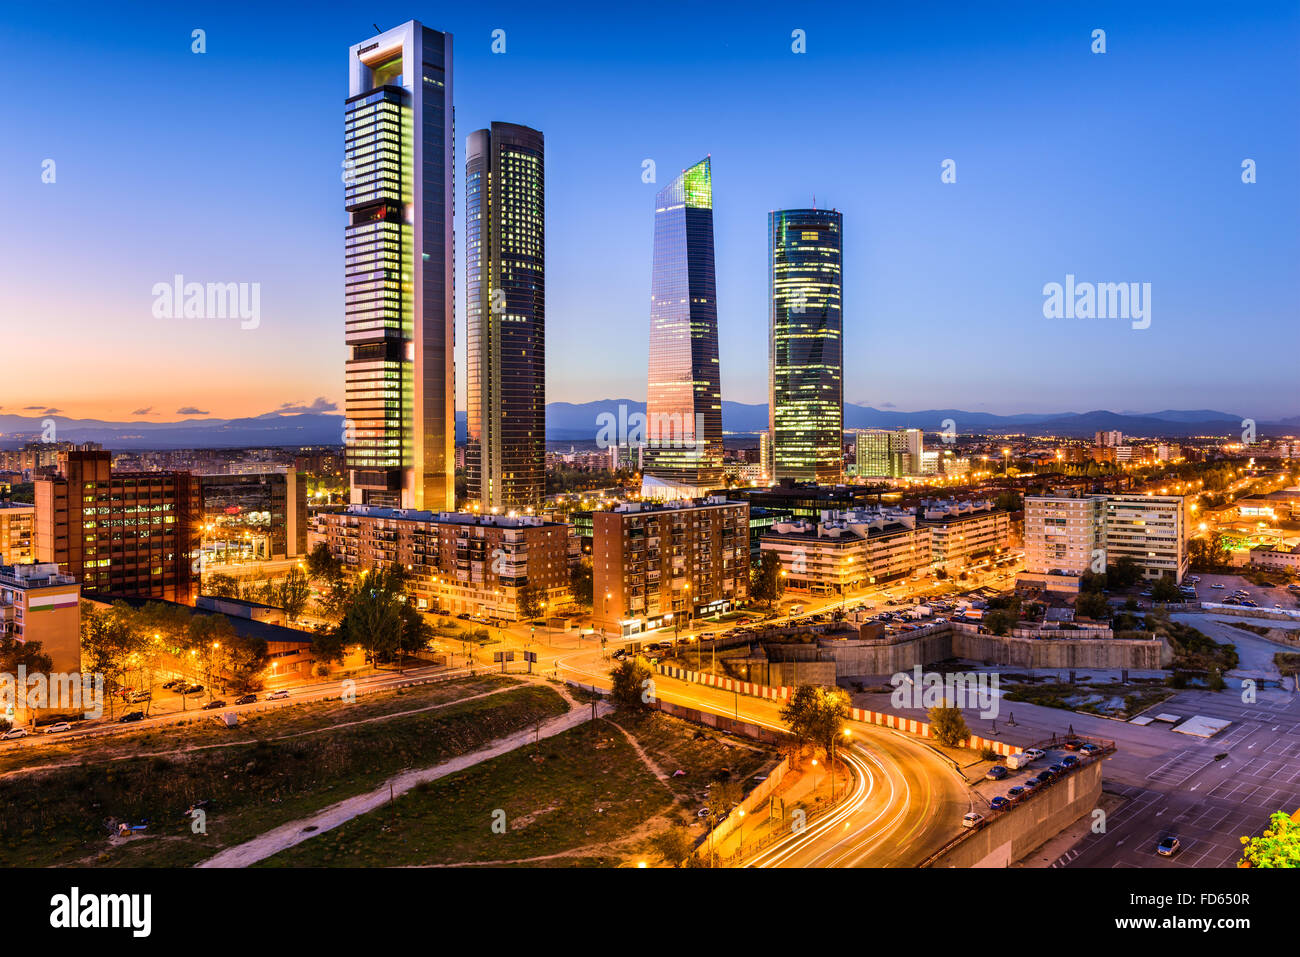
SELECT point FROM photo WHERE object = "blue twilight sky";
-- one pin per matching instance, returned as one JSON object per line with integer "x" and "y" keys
{"x": 1115, "y": 167}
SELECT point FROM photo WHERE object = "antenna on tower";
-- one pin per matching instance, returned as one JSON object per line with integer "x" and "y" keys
{"x": 376, "y": 26}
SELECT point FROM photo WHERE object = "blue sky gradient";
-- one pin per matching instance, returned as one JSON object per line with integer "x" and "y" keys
{"x": 1124, "y": 166}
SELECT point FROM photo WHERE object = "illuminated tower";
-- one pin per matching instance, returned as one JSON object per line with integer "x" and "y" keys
{"x": 505, "y": 458}
{"x": 805, "y": 345}
{"x": 399, "y": 291}
{"x": 683, "y": 456}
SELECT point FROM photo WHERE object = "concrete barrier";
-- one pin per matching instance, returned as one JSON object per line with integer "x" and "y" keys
{"x": 1007, "y": 836}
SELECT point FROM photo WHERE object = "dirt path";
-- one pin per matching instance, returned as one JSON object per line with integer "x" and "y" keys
{"x": 189, "y": 749}
{"x": 295, "y": 832}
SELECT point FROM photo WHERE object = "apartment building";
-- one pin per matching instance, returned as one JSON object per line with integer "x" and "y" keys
{"x": 656, "y": 564}
{"x": 1067, "y": 534}
{"x": 16, "y": 522}
{"x": 847, "y": 550}
{"x": 961, "y": 532}
{"x": 120, "y": 534}
{"x": 488, "y": 565}
{"x": 37, "y": 603}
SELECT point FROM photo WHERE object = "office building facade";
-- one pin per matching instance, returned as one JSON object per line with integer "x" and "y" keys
{"x": 400, "y": 258}
{"x": 506, "y": 317}
{"x": 805, "y": 344}
{"x": 684, "y": 392}
{"x": 123, "y": 534}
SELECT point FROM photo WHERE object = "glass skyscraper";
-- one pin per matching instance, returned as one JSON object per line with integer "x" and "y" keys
{"x": 399, "y": 176}
{"x": 505, "y": 457}
{"x": 683, "y": 456}
{"x": 806, "y": 345}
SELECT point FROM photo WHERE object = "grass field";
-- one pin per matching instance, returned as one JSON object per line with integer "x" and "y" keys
{"x": 582, "y": 798}
{"x": 58, "y": 816}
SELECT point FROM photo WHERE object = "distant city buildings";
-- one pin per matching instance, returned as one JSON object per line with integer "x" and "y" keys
{"x": 891, "y": 453}
{"x": 657, "y": 564}
{"x": 399, "y": 290}
{"x": 684, "y": 394}
{"x": 128, "y": 534}
{"x": 506, "y": 317}
{"x": 805, "y": 344}
{"x": 1108, "y": 439}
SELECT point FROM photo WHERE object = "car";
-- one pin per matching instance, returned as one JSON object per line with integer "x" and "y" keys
{"x": 1074, "y": 744}
{"x": 1216, "y": 585}
{"x": 277, "y": 695}
{"x": 999, "y": 803}
{"x": 137, "y": 696}
{"x": 972, "y": 820}
{"x": 620, "y": 654}
{"x": 1090, "y": 749}
{"x": 1035, "y": 753}
{"x": 13, "y": 733}
{"x": 996, "y": 773}
{"x": 1030, "y": 784}
{"x": 1168, "y": 846}
{"x": 213, "y": 705}
{"x": 58, "y": 727}
{"x": 131, "y": 716}
{"x": 246, "y": 699}
{"x": 1069, "y": 761}
{"x": 1056, "y": 769}
{"x": 1044, "y": 777}
{"x": 173, "y": 684}
{"x": 1248, "y": 603}
{"x": 1015, "y": 793}
{"x": 193, "y": 689}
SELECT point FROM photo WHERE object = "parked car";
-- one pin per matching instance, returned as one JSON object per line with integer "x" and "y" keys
{"x": 1015, "y": 793}
{"x": 972, "y": 820}
{"x": 131, "y": 716}
{"x": 1218, "y": 586}
{"x": 246, "y": 699}
{"x": 277, "y": 695}
{"x": 214, "y": 705}
{"x": 58, "y": 727}
{"x": 1069, "y": 761}
{"x": 193, "y": 689}
{"x": 1168, "y": 846}
{"x": 996, "y": 773}
{"x": 13, "y": 733}
{"x": 999, "y": 803}
{"x": 1090, "y": 749}
{"x": 137, "y": 696}
{"x": 1035, "y": 753}
{"x": 1030, "y": 784}
{"x": 1074, "y": 744}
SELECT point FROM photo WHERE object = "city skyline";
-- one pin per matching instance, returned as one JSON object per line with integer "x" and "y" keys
{"x": 1124, "y": 216}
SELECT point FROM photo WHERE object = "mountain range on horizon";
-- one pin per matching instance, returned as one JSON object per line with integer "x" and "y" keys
{"x": 574, "y": 422}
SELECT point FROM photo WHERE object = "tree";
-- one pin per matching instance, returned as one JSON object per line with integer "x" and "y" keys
{"x": 321, "y": 563}
{"x": 1278, "y": 846}
{"x": 223, "y": 586}
{"x": 1000, "y": 621}
{"x": 632, "y": 685}
{"x": 1124, "y": 572}
{"x": 816, "y": 715}
{"x": 674, "y": 846}
{"x": 293, "y": 594}
{"x": 767, "y": 583}
{"x": 1209, "y": 553}
{"x": 373, "y": 616}
{"x": 327, "y": 645}
{"x": 948, "y": 725}
{"x": 581, "y": 583}
{"x": 108, "y": 638}
{"x": 1092, "y": 605}
{"x": 416, "y": 630}
{"x": 15, "y": 654}
{"x": 530, "y": 601}
{"x": 1166, "y": 589}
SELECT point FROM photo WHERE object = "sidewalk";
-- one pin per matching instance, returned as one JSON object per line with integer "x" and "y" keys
{"x": 295, "y": 832}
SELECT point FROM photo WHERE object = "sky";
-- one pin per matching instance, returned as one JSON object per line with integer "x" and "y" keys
{"x": 1122, "y": 166}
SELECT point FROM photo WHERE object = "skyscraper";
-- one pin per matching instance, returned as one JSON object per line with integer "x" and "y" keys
{"x": 506, "y": 317}
{"x": 684, "y": 396}
{"x": 399, "y": 172}
{"x": 805, "y": 344}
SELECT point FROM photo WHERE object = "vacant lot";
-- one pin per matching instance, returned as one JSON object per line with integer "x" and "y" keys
{"x": 63, "y": 815}
{"x": 582, "y": 798}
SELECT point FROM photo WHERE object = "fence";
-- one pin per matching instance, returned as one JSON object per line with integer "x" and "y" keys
{"x": 750, "y": 688}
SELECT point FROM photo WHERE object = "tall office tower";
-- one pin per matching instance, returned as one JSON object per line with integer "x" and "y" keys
{"x": 805, "y": 344}
{"x": 505, "y": 457}
{"x": 399, "y": 286}
{"x": 684, "y": 396}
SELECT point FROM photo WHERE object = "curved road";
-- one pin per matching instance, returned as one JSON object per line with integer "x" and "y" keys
{"x": 907, "y": 802}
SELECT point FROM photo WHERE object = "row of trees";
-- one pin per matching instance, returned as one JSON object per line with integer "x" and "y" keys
{"x": 131, "y": 646}
{"x": 292, "y": 593}
{"x": 371, "y": 611}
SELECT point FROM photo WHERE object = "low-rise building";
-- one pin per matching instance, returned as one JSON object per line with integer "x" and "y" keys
{"x": 489, "y": 565}
{"x": 16, "y": 522}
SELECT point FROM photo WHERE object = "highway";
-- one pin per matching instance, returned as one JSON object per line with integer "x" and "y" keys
{"x": 906, "y": 803}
